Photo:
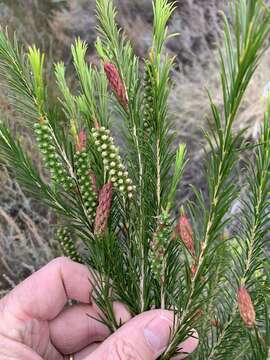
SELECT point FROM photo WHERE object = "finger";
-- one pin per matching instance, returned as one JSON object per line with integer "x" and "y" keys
{"x": 82, "y": 355}
{"x": 44, "y": 294}
{"x": 75, "y": 327}
{"x": 188, "y": 346}
{"x": 144, "y": 337}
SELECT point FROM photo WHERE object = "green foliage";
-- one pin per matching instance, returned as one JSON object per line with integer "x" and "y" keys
{"x": 121, "y": 201}
{"x": 163, "y": 11}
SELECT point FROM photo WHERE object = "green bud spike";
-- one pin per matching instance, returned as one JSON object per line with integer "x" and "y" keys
{"x": 52, "y": 159}
{"x": 112, "y": 161}
{"x": 149, "y": 96}
{"x": 87, "y": 188}
{"x": 67, "y": 244}
{"x": 159, "y": 243}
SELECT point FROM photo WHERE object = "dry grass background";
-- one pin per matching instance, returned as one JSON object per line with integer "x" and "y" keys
{"x": 26, "y": 228}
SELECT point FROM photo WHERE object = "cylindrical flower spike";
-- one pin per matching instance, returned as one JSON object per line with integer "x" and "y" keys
{"x": 93, "y": 179}
{"x": 156, "y": 255}
{"x": 81, "y": 141}
{"x": 158, "y": 245}
{"x": 116, "y": 83}
{"x": 148, "y": 101}
{"x": 67, "y": 244}
{"x": 112, "y": 161}
{"x": 184, "y": 231}
{"x": 82, "y": 167}
{"x": 103, "y": 209}
{"x": 246, "y": 308}
{"x": 52, "y": 159}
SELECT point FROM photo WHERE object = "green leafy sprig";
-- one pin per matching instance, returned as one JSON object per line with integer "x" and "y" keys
{"x": 120, "y": 200}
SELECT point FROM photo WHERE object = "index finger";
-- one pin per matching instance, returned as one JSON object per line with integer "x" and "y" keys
{"x": 44, "y": 294}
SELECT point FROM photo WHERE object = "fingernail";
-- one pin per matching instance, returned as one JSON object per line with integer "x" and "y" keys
{"x": 157, "y": 334}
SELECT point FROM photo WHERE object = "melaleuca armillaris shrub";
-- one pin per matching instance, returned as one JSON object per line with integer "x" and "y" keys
{"x": 121, "y": 202}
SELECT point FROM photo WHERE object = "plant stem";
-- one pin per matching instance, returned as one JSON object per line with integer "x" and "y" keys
{"x": 141, "y": 242}
{"x": 162, "y": 290}
{"x": 158, "y": 175}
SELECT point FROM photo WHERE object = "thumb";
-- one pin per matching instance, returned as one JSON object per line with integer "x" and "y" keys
{"x": 144, "y": 337}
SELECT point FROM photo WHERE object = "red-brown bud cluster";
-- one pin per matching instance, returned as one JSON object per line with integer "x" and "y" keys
{"x": 198, "y": 314}
{"x": 246, "y": 308}
{"x": 81, "y": 141}
{"x": 184, "y": 231}
{"x": 193, "y": 269}
{"x": 103, "y": 209}
{"x": 215, "y": 322}
{"x": 116, "y": 83}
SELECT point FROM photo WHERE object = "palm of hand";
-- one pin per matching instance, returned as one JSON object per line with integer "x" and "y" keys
{"x": 32, "y": 337}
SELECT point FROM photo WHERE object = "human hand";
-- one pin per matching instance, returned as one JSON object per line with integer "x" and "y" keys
{"x": 36, "y": 325}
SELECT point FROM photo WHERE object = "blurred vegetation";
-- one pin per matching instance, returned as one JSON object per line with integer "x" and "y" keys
{"x": 31, "y": 19}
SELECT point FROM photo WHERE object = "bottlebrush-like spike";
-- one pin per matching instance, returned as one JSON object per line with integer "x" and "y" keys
{"x": 149, "y": 96}
{"x": 184, "y": 231}
{"x": 67, "y": 244}
{"x": 81, "y": 141}
{"x": 103, "y": 209}
{"x": 158, "y": 245}
{"x": 116, "y": 83}
{"x": 82, "y": 167}
{"x": 52, "y": 159}
{"x": 246, "y": 308}
{"x": 93, "y": 181}
{"x": 112, "y": 161}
